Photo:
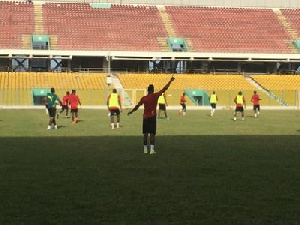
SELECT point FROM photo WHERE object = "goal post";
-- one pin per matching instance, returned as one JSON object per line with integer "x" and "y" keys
{"x": 130, "y": 97}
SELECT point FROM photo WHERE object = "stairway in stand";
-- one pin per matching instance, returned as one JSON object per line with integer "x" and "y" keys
{"x": 26, "y": 42}
{"x": 168, "y": 26}
{"x": 38, "y": 18}
{"x": 290, "y": 30}
{"x": 166, "y": 20}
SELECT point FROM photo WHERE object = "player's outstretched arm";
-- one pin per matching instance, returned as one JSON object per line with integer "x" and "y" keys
{"x": 167, "y": 85}
{"x": 134, "y": 109}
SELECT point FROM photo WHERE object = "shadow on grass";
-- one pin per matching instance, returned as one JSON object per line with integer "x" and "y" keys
{"x": 109, "y": 180}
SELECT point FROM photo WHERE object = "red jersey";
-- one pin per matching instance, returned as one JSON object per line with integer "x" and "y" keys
{"x": 182, "y": 100}
{"x": 255, "y": 99}
{"x": 150, "y": 102}
{"x": 65, "y": 100}
{"x": 73, "y": 101}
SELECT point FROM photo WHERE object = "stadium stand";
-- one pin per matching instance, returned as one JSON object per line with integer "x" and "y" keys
{"x": 120, "y": 27}
{"x": 208, "y": 82}
{"x": 278, "y": 82}
{"x": 113, "y": 27}
{"x": 292, "y": 16}
{"x": 17, "y": 19}
{"x": 282, "y": 86}
{"x": 226, "y": 86}
{"x": 15, "y": 88}
{"x": 230, "y": 29}
{"x": 81, "y": 26}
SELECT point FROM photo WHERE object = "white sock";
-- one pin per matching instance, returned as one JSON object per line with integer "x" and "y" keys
{"x": 55, "y": 127}
{"x": 151, "y": 147}
{"x": 118, "y": 125}
{"x": 112, "y": 125}
{"x": 145, "y": 147}
{"x": 49, "y": 127}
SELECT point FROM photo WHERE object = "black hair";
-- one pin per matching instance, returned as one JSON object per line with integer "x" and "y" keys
{"x": 150, "y": 88}
{"x": 52, "y": 90}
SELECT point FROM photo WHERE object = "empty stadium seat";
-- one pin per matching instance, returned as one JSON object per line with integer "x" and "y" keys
{"x": 16, "y": 88}
{"x": 122, "y": 27}
{"x": 212, "y": 29}
{"x": 17, "y": 19}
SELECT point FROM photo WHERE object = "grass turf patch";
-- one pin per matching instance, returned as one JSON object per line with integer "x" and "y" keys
{"x": 206, "y": 170}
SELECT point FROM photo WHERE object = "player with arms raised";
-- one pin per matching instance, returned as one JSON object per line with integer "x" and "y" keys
{"x": 149, "y": 117}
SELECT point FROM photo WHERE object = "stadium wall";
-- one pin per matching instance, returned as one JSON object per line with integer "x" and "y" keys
{"x": 221, "y": 3}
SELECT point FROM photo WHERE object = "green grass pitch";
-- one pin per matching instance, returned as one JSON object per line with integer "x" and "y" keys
{"x": 207, "y": 170}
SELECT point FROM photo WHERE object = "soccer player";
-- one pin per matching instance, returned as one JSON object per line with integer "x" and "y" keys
{"x": 65, "y": 105}
{"x": 183, "y": 104}
{"x": 240, "y": 102}
{"x": 73, "y": 102}
{"x": 114, "y": 108}
{"x": 213, "y": 99}
{"x": 149, "y": 117}
{"x": 162, "y": 103}
{"x": 256, "y": 104}
{"x": 52, "y": 100}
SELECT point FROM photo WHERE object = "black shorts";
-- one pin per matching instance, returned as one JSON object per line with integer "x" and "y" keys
{"x": 64, "y": 107}
{"x": 149, "y": 125}
{"x": 114, "y": 112}
{"x": 256, "y": 107}
{"x": 74, "y": 110}
{"x": 183, "y": 106}
{"x": 52, "y": 112}
{"x": 46, "y": 106}
{"x": 239, "y": 109}
{"x": 213, "y": 105}
{"x": 162, "y": 107}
